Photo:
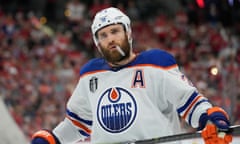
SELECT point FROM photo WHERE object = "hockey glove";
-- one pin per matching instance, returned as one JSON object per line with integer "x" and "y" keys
{"x": 44, "y": 137}
{"x": 216, "y": 129}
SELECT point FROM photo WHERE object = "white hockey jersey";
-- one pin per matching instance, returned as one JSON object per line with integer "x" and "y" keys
{"x": 137, "y": 101}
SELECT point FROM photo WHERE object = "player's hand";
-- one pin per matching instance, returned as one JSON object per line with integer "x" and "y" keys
{"x": 216, "y": 131}
{"x": 43, "y": 137}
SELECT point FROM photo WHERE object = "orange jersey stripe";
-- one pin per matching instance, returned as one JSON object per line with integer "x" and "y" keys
{"x": 156, "y": 66}
{"x": 191, "y": 105}
{"x": 138, "y": 65}
{"x": 92, "y": 72}
{"x": 78, "y": 124}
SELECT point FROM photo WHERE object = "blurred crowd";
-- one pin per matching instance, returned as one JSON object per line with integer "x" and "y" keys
{"x": 40, "y": 57}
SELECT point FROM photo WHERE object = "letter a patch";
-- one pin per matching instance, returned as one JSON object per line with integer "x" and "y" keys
{"x": 138, "y": 79}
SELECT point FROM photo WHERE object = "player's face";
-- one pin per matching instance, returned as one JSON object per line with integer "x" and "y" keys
{"x": 113, "y": 43}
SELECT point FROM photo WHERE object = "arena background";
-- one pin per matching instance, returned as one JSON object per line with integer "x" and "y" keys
{"x": 44, "y": 43}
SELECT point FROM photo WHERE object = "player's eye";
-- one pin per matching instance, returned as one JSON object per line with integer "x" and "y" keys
{"x": 102, "y": 36}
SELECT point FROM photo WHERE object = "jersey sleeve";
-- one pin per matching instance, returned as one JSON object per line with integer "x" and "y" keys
{"x": 178, "y": 89}
{"x": 78, "y": 121}
{"x": 190, "y": 104}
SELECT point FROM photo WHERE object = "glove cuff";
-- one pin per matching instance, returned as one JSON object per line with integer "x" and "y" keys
{"x": 219, "y": 117}
{"x": 215, "y": 115}
{"x": 202, "y": 121}
{"x": 212, "y": 110}
{"x": 47, "y": 135}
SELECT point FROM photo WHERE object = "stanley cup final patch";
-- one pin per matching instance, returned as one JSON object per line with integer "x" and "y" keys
{"x": 93, "y": 84}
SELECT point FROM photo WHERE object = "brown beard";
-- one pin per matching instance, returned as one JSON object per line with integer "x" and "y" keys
{"x": 115, "y": 56}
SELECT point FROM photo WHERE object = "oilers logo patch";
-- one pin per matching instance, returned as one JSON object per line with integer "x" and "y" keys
{"x": 116, "y": 110}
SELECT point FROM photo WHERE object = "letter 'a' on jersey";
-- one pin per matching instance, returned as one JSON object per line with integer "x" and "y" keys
{"x": 137, "y": 101}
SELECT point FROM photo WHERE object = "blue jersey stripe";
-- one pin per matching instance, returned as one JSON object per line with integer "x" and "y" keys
{"x": 75, "y": 116}
{"x": 84, "y": 133}
{"x": 184, "y": 107}
{"x": 195, "y": 106}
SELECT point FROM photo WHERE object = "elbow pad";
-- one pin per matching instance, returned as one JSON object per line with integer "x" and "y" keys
{"x": 44, "y": 137}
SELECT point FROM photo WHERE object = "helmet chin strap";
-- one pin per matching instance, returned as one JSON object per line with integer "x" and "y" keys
{"x": 129, "y": 36}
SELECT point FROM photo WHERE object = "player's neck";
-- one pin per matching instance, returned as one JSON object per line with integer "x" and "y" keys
{"x": 124, "y": 61}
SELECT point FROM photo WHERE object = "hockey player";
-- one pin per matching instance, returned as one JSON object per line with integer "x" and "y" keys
{"x": 125, "y": 96}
